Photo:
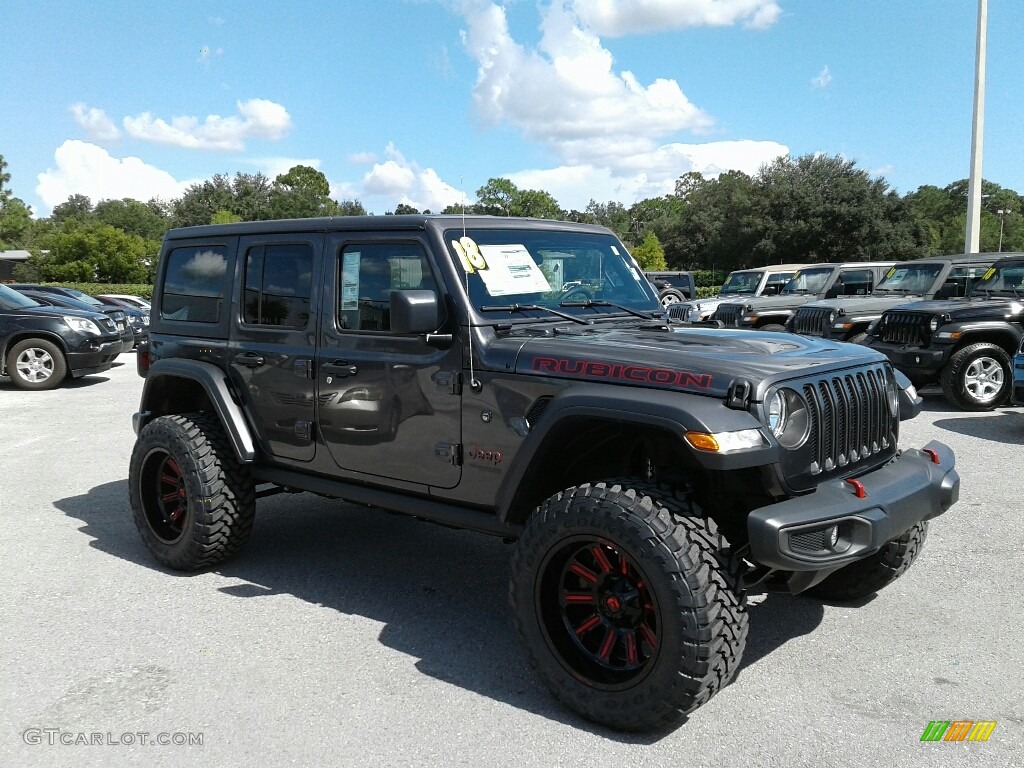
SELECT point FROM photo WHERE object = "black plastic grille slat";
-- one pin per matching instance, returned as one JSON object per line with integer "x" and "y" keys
{"x": 536, "y": 410}
{"x": 810, "y": 321}
{"x": 849, "y": 419}
{"x": 905, "y": 327}
{"x": 812, "y": 541}
{"x": 728, "y": 314}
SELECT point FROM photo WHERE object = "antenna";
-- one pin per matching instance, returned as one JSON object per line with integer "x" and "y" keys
{"x": 475, "y": 385}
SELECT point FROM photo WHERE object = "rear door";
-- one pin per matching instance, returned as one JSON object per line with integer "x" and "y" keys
{"x": 273, "y": 336}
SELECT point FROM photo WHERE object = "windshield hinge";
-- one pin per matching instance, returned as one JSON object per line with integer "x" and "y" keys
{"x": 738, "y": 396}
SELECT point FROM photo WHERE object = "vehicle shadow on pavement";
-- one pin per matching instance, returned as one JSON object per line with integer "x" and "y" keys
{"x": 1005, "y": 426}
{"x": 441, "y": 594}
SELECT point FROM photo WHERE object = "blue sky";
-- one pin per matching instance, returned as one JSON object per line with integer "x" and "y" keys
{"x": 421, "y": 101}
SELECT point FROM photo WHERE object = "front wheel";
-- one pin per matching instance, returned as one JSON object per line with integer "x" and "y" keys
{"x": 629, "y": 603}
{"x": 36, "y": 364}
{"x": 977, "y": 377}
{"x": 671, "y": 296}
{"x": 192, "y": 500}
{"x": 865, "y": 577}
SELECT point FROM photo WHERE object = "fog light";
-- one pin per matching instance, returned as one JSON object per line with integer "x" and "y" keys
{"x": 832, "y": 536}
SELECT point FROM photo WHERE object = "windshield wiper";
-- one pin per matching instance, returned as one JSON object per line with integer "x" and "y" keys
{"x": 538, "y": 308}
{"x": 602, "y": 303}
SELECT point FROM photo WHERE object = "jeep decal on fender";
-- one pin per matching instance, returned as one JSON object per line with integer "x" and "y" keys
{"x": 640, "y": 374}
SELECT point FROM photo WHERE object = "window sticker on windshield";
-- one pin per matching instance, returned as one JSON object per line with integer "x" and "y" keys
{"x": 510, "y": 270}
{"x": 634, "y": 273}
{"x": 350, "y": 281}
{"x": 990, "y": 274}
{"x": 457, "y": 247}
{"x": 795, "y": 275}
{"x": 473, "y": 254}
{"x": 891, "y": 272}
{"x": 615, "y": 250}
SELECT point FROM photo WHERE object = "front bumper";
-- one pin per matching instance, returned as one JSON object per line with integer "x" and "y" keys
{"x": 794, "y": 535}
{"x": 919, "y": 363}
{"x": 92, "y": 357}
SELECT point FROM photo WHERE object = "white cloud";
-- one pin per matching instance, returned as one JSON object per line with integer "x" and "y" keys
{"x": 95, "y": 122}
{"x": 275, "y": 166}
{"x": 259, "y": 118}
{"x": 362, "y": 158}
{"x": 822, "y": 80}
{"x": 617, "y": 18}
{"x": 86, "y": 169}
{"x": 397, "y": 180}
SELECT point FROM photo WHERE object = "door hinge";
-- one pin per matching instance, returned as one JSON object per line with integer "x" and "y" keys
{"x": 449, "y": 452}
{"x": 449, "y": 381}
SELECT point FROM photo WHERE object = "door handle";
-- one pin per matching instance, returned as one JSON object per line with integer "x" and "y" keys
{"x": 340, "y": 368}
{"x": 250, "y": 360}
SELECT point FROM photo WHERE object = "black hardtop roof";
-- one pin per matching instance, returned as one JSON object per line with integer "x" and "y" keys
{"x": 965, "y": 258}
{"x": 393, "y": 223}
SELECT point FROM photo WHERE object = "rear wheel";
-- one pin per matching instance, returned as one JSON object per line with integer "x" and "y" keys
{"x": 192, "y": 501}
{"x": 977, "y": 377}
{"x": 865, "y": 577}
{"x": 629, "y": 603}
{"x": 36, "y": 364}
{"x": 670, "y": 296}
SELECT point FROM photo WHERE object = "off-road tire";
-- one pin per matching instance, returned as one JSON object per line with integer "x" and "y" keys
{"x": 670, "y": 296}
{"x": 865, "y": 577}
{"x": 192, "y": 500}
{"x": 52, "y": 367}
{"x": 678, "y": 561}
{"x": 955, "y": 377}
{"x": 773, "y": 327}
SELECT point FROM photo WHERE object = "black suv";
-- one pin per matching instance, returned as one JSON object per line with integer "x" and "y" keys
{"x": 816, "y": 281}
{"x": 440, "y": 367}
{"x": 117, "y": 314}
{"x": 963, "y": 344}
{"x": 848, "y": 318}
{"x": 41, "y": 346}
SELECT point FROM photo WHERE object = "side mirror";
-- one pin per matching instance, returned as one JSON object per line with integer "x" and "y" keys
{"x": 414, "y": 312}
{"x": 771, "y": 290}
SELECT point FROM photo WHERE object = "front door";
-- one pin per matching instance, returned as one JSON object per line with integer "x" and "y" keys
{"x": 388, "y": 404}
{"x": 273, "y": 336}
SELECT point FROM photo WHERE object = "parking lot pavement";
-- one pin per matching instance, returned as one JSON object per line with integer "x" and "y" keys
{"x": 346, "y": 636}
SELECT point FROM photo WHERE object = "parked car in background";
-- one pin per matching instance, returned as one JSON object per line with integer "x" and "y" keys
{"x": 965, "y": 345}
{"x": 817, "y": 281}
{"x": 41, "y": 346}
{"x": 760, "y": 281}
{"x": 673, "y": 287}
{"x": 125, "y": 300}
{"x": 138, "y": 318}
{"x": 117, "y": 314}
{"x": 847, "y": 318}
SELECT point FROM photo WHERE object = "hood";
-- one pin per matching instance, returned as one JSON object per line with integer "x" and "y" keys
{"x": 969, "y": 309}
{"x": 768, "y": 303}
{"x": 699, "y": 360}
{"x": 47, "y": 311}
{"x": 872, "y": 304}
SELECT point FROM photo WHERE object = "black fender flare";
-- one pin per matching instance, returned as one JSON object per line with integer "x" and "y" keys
{"x": 989, "y": 329}
{"x": 673, "y": 412}
{"x": 214, "y": 382}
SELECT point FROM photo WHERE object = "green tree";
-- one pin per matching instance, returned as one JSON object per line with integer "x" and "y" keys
{"x": 251, "y": 193}
{"x": 301, "y": 193}
{"x": 306, "y": 178}
{"x": 201, "y": 200}
{"x": 224, "y": 217}
{"x": 496, "y": 198}
{"x": 133, "y": 217}
{"x": 75, "y": 207}
{"x": 15, "y": 216}
{"x": 405, "y": 208}
{"x": 349, "y": 208}
{"x": 649, "y": 254}
{"x": 92, "y": 251}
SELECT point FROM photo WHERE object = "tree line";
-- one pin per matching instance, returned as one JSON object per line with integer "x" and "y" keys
{"x": 814, "y": 208}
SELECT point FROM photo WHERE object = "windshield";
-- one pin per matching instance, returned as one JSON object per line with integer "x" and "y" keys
{"x": 740, "y": 282}
{"x": 558, "y": 270}
{"x": 808, "y": 280}
{"x": 11, "y": 299}
{"x": 1002, "y": 278}
{"x": 84, "y": 297}
{"x": 909, "y": 278}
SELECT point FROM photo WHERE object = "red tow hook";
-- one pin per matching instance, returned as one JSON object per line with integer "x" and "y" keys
{"x": 858, "y": 488}
{"x": 933, "y": 454}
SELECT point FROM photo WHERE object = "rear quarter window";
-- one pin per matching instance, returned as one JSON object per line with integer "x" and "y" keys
{"x": 195, "y": 284}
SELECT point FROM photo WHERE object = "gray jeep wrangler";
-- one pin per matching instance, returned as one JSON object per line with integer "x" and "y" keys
{"x": 451, "y": 369}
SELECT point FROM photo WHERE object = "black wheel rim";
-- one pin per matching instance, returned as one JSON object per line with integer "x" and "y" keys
{"x": 164, "y": 497}
{"x": 599, "y": 613}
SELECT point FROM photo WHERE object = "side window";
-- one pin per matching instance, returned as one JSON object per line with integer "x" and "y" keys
{"x": 856, "y": 282}
{"x": 195, "y": 284}
{"x": 278, "y": 280}
{"x": 368, "y": 274}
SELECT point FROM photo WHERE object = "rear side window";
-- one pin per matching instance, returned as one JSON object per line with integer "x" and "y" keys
{"x": 856, "y": 282}
{"x": 278, "y": 281}
{"x": 195, "y": 284}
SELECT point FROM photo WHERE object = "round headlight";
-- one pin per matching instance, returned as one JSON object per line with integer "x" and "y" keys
{"x": 893, "y": 395}
{"x": 934, "y": 324}
{"x": 831, "y": 317}
{"x": 788, "y": 418}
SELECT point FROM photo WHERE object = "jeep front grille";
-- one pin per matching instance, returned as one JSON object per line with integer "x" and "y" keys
{"x": 678, "y": 311}
{"x": 810, "y": 321}
{"x": 850, "y": 426}
{"x": 729, "y": 315}
{"x": 905, "y": 327}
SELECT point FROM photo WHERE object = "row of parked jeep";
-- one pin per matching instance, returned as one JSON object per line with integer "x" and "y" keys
{"x": 51, "y": 333}
{"x": 956, "y": 322}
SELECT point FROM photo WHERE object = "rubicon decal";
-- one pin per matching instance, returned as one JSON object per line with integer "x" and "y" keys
{"x": 640, "y": 374}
